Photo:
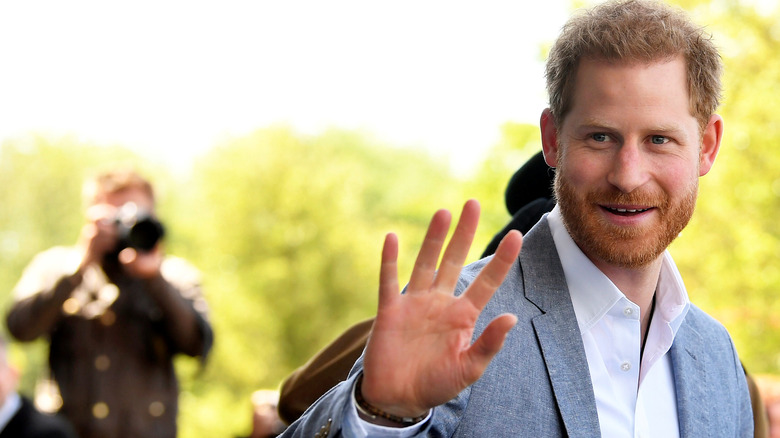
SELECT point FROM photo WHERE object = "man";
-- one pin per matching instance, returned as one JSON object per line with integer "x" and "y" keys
{"x": 115, "y": 311}
{"x": 18, "y": 415}
{"x": 591, "y": 332}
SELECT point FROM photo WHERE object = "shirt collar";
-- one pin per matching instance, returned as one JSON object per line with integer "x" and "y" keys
{"x": 593, "y": 294}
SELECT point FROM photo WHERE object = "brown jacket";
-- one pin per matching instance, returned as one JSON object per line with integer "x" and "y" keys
{"x": 322, "y": 372}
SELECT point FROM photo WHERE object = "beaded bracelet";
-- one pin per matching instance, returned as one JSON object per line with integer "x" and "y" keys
{"x": 371, "y": 411}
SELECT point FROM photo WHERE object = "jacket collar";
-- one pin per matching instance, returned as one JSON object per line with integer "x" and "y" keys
{"x": 558, "y": 333}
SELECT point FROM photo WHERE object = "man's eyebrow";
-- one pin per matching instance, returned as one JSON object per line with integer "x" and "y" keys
{"x": 668, "y": 128}
{"x": 600, "y": 124}
{"x": 595, "y": 124}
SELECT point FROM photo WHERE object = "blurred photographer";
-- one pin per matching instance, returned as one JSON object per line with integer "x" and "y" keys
{"x": 115, "y": 311}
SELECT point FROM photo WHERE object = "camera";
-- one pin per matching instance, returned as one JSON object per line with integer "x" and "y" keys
{"x": 137, "y": 228}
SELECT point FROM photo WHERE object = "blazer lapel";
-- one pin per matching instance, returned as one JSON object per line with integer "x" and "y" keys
{"x": 558, "y": 333}
{"x": 691, "y": 392}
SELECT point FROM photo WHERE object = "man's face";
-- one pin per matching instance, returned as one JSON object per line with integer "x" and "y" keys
{"x": 135, "y": 195}
{"x": 628, "y": 159}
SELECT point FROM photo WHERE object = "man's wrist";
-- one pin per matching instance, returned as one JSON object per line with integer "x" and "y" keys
{"x": 377, "y": 416}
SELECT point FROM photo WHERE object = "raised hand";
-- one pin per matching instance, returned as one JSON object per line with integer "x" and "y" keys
{"x": 98, "y": 236}
{"x": 142, "y": 264}
{"x": 420, "y": 353}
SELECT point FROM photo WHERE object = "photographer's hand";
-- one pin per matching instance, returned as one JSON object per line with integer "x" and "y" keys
{"x": 99, "y": 235}
{"x": 142, "y": 264}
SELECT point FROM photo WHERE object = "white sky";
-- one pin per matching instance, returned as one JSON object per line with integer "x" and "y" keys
{"x": 172, "y": 78}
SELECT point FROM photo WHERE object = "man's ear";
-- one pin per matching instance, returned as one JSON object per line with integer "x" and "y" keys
{"x": 710, "y": 143}
{"x": 549, "y": 138}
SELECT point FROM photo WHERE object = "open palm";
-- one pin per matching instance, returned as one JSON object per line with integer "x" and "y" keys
{"x": 420, "y": 353}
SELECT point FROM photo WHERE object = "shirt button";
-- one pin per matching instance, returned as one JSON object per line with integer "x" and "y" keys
{"x": 628, "y": 311}
{"x": 108, "y": 318}
{"x": 100, "y": 410}
{"x": 156, "y": 409}
{"x": 71, "y": 306}
{"x": 102, "y": 362}
{"x": 625, "y": 366}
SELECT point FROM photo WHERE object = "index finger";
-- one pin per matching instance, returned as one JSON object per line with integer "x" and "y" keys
{"x": 100, "y": 212}
{"x": 493, "y": 274}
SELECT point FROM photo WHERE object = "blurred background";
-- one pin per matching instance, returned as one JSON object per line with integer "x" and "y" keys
{"x": 286, "y": 138}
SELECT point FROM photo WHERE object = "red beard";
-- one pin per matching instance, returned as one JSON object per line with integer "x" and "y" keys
{"x": 624, "y": 246}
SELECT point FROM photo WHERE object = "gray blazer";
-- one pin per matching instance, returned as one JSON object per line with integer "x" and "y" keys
{"x": 539, "y": 384}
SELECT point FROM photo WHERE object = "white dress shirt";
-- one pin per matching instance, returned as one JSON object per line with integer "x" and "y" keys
{"x": 635, "y": 396}
{"x": 12, "y": 404}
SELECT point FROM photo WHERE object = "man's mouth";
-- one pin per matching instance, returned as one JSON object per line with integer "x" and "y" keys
{"x": 626, "y": 211}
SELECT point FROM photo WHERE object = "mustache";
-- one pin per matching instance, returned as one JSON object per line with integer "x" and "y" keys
{"x": 644, "y": 198}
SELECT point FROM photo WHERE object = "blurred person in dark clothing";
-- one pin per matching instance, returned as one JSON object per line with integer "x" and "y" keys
{"x": 115, "y": 311}
{"x": 18, "y": 416}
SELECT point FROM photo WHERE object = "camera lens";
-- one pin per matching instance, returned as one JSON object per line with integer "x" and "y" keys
{"x": 144, "y": 234}
{"x": 137, "y": 228}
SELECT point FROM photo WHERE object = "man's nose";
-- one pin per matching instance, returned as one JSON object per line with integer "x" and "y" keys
{"x": 627, "y": 170}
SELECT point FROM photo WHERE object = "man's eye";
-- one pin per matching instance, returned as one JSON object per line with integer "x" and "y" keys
{"x": 659, "y": 139}
{"x": 600, "y": 137}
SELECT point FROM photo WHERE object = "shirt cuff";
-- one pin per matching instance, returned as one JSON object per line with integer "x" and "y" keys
{"x": 362, "y": 428}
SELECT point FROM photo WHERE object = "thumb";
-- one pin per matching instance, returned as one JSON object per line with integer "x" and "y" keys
{"x": 488, "y": 345}
{"x": 127, "y": 256}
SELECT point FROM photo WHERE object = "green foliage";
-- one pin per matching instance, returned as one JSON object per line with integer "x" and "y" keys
{"x": 286, "y": 229}
{"x": 297, "y": 225}
{"x": 290, "y": 234}
{"x": 517, "y": 144}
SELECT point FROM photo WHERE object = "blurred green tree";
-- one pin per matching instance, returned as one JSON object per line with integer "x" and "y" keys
{"x": 288, "y": 230}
